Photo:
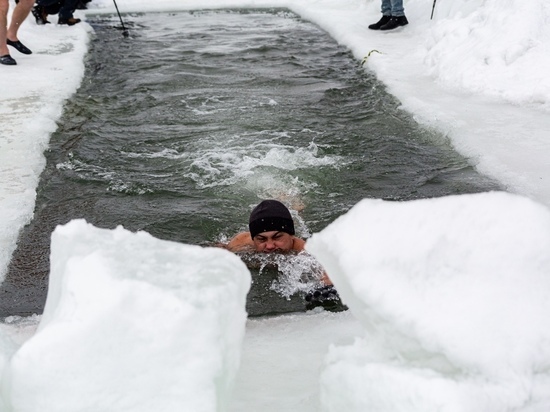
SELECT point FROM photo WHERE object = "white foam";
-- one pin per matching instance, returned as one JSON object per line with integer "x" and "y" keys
{"x": 261, "y": 164}
{"x": 298, "y": 272}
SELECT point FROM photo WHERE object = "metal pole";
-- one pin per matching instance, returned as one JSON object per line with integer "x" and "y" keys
{"x": 124, "y": 31}
{"x": 433, "y": 8}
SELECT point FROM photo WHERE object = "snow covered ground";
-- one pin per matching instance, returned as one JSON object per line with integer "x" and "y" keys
{"x": 478, "y": 73}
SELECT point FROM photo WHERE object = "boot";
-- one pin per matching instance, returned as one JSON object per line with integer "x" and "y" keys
{"x": 380, "y": 23}
{"x": 40, "y": 15}
{"x": 71, "y": 21}
{"x": 395, "y": 22}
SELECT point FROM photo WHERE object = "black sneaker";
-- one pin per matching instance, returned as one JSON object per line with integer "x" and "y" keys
{"x": 7, "y": 60}
{"x": 380, "y": 23}
{"x": 71, "y": 21}
{"x": 395, "y": 22}
{"x": 40, "y": 15}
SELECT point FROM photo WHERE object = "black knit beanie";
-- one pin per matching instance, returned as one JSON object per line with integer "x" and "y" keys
{"x": 270, "y": 215}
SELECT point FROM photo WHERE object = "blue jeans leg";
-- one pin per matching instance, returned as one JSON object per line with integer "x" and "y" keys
{"x": 386, "y": 7}
{"x": 397, "y": 9}
{"x": 393, "y": 8}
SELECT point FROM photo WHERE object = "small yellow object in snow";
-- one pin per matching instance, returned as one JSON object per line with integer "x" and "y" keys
{"x": 368, "y": 55}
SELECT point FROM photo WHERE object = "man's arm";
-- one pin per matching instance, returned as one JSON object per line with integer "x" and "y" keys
{"x": 299, "y": 246}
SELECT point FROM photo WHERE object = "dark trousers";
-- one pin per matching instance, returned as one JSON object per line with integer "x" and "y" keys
{"x": 65, "y": 8}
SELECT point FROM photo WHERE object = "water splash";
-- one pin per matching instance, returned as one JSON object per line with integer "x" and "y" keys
{"x": 261, "y": 164}
{"x": 297, "y": 272}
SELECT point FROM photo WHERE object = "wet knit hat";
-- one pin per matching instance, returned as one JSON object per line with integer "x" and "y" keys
{"x": 270, "y": 215}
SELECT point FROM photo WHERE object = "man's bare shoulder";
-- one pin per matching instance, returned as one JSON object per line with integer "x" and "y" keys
{"x": 241, "y": 242}
{"x": 298, "y": 244}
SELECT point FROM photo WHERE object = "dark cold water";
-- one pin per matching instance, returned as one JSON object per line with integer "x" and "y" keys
{"x": 182, "y": 128}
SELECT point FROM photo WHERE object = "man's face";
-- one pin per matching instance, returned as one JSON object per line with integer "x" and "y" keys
{"x": 273, "y": 241}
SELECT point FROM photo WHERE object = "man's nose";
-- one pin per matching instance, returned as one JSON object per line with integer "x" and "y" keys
{"x": 270, "y": 244}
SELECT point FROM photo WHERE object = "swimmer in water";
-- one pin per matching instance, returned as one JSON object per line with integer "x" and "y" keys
{"x": 271, "y": 230}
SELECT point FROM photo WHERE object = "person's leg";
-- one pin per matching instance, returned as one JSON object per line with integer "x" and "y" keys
{"x": 54, "y": 8}
{"x": 45, "y": 3}
{"x": 19, "y": 15}
{"x": 45, "y": 7}
{"x": 386, "y": 7}
{"x": 66, "y": 13}
{"x": 67, "y": 9}
{"x": 81, "y": 4}
{"x": 4, "y": 7}
{"x": 397, "y": 9}
{"x": 51, "y": 6}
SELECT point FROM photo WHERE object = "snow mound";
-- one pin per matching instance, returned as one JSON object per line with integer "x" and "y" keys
{"x": 500, "y": 49}
{"x": 454, "y": 294}
{"x": 7, "y": 347}
{"x": 132, "y": 323}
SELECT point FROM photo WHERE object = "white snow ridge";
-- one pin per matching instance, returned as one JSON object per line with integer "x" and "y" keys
{"x": 453, "y": 294}
{"x": 132, "y": 323}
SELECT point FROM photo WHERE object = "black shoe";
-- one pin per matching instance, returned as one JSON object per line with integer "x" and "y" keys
{"x": 20, "y": 47}
{"x": 71, "y": 21}
{"x": 380, "y": 23}
{"x": 40, "y": 15}
{"x": 7, "y": 60}
{"x": 395, "y": 22}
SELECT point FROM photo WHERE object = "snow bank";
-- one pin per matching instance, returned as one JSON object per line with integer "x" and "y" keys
{"x": 32, "y": 95}
{"x": 20, "y": 328}
{"x": 282, "y": 358}
{"x": 132, "y": 323}
{"x": 455, "y": 296}
{"x": 7, "y": 347}
{"x": 494, "y": 47}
